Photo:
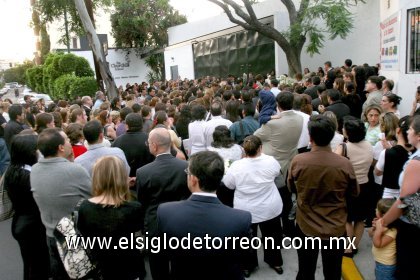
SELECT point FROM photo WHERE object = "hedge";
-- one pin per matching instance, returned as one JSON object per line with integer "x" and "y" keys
{"x": 82, "y": 86}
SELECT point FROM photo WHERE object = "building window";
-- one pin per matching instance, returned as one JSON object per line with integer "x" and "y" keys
{"x": 74, "y": 42}
{"x": 413, "y": 36}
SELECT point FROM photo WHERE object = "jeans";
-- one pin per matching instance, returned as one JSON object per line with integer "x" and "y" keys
{"x": 384, "y": 272}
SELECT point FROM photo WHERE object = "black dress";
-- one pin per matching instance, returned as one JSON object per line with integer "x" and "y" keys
{"x": 97, "y": 220}
{"x": 27, "y": 227}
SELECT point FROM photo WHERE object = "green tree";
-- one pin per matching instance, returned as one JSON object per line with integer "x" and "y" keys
{"x": 143, "y": 24}
{"x": 17, "y": 73}
{"x": 304, "y": 24}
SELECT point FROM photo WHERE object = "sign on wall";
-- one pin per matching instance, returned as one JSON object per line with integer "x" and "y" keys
{"x": 390, "y": 36}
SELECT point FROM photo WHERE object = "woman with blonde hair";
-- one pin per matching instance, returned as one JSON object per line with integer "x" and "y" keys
{"x": 110, "y": 214}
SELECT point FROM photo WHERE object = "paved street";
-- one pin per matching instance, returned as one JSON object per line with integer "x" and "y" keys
{"x": 11, "y": 262}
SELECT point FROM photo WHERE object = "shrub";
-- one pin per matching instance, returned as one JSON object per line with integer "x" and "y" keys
{"x": 62, "y": 86}
{"x": 83, "y": 86}
{"x": 82, "y": 68}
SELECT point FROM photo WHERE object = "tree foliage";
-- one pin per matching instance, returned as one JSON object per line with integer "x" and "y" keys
{"x": 52, "y": 10}
{"x": 17, "y": 73}
{"x": 337, "y": 21}
{"x": 143, "y": 25}
{"x": 59, "y": 73}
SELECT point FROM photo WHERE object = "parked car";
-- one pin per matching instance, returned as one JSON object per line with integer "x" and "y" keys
{"x": 12, "y": 85}
{"x": 35, "y": 97}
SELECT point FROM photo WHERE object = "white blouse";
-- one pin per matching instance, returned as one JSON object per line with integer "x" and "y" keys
{"x": 255, "y": 191}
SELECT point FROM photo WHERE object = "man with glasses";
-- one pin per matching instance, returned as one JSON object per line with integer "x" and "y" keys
{"x": 162, "y": 180}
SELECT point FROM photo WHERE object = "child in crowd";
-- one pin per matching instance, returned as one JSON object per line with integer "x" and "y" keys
{"x": 384, "y": 246}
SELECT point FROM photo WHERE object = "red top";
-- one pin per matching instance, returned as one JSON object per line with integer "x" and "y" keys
{"x": 78, "y": 150}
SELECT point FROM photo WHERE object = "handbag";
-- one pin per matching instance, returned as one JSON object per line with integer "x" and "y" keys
{"x": 411, "y": 208}
{"x": 77, "y": 260}
{"x": 6, "y": 206}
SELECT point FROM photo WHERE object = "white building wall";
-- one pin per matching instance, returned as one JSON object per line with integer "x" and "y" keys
{"x": 124, "y": 69}
{"x": 406, "y": 84}
{"x": 362, "y": 45}
{"x": 181, "y": 57}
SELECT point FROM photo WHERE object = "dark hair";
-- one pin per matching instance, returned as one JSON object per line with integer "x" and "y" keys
{"x": 136, "y": 108}
{"x": 14, "y": 111}
{"x": 376, "y": 80}
{"x": 404, "y": 125}
{"x": 316, "y": 80}
{"x": 159, "y": 118}
{"x": 160, "y": 107}
{"x": 145, "y": 111}
{"x": 392, "y": 97}
{"x": 92, "y": 130}
{"x": 198, "y": 112}
{"x": 349, "y": 86}
{"x": 216, "y": 109}
{"x": 134, "y": 122}
{"x": 125, "y": 111}
{"x": 285, "y": 100}
{"x": 23, "y": 150}
{"x": 49, "y": 140}
{"x": 355, "y": 129}
{"x": 232, "y": 110}
{"x": 333, "y": 94}
{"x": 42, "y": 120}
{"x": 274, "y": 82}
{"x": 348, "y": 62}
{"x": 321, "y": 130}
{"x": 248, "y": 109}
{"x": 327, "y": 63}
{"x": 221, "y": 137}
{"x": 251, "y": 145}
{"x": 58, "y": 120}
{"x": 209, "y": 169}
{"x": 74, "y": 132}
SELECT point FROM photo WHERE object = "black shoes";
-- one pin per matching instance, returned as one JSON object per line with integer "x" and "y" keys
{"x": 277, "y": 269}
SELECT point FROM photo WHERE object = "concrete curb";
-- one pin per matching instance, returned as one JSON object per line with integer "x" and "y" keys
{"x": 349, "y": 270}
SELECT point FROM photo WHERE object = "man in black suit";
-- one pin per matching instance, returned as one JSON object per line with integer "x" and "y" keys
{"x": 203, "y": 215}
{"x": 336, "y": 106}
{"x": 162, "y": 180}
{"x": 133, "y": 143}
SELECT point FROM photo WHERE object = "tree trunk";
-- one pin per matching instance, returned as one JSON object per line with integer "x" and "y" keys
{"x": 293, "y": 61}
{"x": 97, "y": 49}
{"x": 89, "y": 8}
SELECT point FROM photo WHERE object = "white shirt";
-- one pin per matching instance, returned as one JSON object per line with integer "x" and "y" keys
{"x": 336, "y": 141}
{"x": 304, "y": 135}
{"x": 196, "y": 136}
{"x": 275, "y": 91}
{"x": 255, "y": 191}
{"x": 228, "y": 154}
{"x": 211, "y": 125}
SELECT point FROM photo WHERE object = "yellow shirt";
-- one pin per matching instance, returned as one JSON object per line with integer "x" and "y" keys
{"x": 387, "y": 255}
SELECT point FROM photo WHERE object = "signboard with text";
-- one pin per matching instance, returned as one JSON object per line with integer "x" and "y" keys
{"x": 390, "y": 36}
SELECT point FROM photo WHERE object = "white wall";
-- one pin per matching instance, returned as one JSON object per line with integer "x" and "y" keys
{"x": 362, "y": 45}
{"x": 183, "y": 57}
{"x": 406, "y": 84}
{"x": 124, "y": 69}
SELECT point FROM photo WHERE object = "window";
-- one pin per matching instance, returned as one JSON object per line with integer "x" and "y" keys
{"x": 413, "y": 42}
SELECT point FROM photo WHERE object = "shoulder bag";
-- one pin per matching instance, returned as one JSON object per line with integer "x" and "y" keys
{"x": 6, "y": 207}
{"x": 411, "y": 206}
{"x": 77, "y": 260}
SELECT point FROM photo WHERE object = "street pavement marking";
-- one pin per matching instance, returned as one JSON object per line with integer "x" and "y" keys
{"x": 349, "y": 270}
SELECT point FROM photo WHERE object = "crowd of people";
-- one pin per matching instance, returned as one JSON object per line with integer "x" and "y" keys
{"x": 324, "y": 157}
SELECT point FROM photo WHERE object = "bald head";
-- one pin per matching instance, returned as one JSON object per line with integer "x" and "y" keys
{"x": 161, "y": 137}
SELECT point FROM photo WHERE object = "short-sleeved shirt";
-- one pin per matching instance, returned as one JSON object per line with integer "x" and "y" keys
{"x": 322, "y": 179}
{"x": 387, "y": 255}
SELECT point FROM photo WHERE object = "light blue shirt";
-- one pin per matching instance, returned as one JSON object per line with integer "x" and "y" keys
{"x": 95, "y": 152}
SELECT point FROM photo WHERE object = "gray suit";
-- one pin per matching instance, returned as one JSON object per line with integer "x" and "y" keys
{"x": 280, "y": 137}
